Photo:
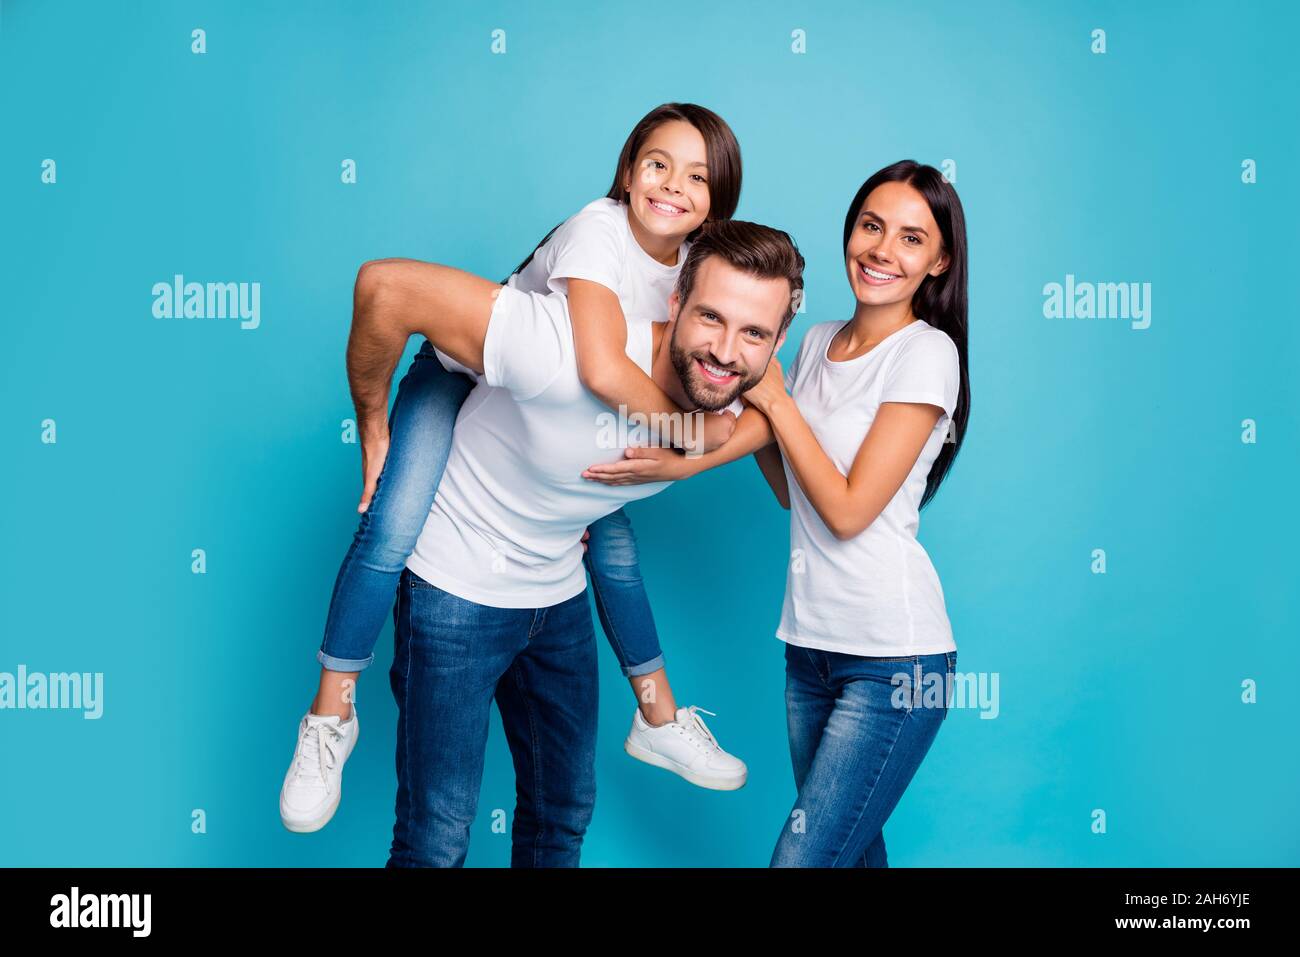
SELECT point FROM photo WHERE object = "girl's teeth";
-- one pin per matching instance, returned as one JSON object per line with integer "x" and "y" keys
{"x": 666, "y": 209}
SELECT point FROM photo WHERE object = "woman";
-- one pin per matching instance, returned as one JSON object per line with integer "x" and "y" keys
{"x": 875, "y": 414}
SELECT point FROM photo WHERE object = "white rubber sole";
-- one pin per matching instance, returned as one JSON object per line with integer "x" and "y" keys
{"x": 699, "y": 780}
{"x": 315, "y": 824}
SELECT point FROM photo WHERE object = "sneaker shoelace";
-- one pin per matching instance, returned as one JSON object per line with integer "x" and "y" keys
{"x": 309, "y": 760}
{"x": 698, "y": 722}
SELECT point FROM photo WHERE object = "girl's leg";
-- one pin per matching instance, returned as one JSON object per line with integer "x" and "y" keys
{"x": 625, "y": 615}
{"x": 662, "y": 735}
{"x": 420, "y": 428}
{"x": 867, "y": 753}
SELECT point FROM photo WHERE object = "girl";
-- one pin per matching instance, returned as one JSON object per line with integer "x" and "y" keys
{"x": 876, "y": 412}
{"x": 617, "y": 260}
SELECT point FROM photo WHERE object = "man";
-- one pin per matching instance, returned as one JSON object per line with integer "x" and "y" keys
{"x": 492, "y": 603}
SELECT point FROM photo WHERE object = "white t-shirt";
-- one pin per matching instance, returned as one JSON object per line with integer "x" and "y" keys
{"x": 596, "y": 243}
{"x": 506, "y": 524}
{"x": 876, "y": 594}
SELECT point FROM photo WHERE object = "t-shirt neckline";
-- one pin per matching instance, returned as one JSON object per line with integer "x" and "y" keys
{"x": 839, "y": 363}
{"x": 637, "y": 250}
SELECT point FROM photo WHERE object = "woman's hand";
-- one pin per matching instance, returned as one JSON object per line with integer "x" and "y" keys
{"x": 770, "y": 389}
{"x": 641, "y": 465}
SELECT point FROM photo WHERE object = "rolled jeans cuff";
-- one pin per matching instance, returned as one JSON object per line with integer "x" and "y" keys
{"x": 343, "y": 664}
{"x": 645, "y": 668}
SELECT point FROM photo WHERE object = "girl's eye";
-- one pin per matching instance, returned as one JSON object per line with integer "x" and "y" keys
{"x": 699, "y": 179}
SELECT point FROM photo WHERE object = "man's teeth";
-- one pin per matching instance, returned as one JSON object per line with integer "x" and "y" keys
{"x": 877, "y": 275}
{"x": 715, "y": 371}
{"x": 665, "y": 207}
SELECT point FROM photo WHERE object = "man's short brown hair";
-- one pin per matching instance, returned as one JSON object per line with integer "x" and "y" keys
{"x": 760, "y": 251}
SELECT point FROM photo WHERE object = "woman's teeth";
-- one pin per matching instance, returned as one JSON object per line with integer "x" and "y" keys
{"x": 875, "y": 276}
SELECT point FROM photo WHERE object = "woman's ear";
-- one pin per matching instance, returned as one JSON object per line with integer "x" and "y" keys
{"x": 941, "y": 266}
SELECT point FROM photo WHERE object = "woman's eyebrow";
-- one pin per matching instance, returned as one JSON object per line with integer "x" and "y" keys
{"x": 670, "y": 156}
{"x": 906, "y": 229}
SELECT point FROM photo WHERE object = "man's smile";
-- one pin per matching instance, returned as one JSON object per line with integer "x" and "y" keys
{"x": 716, "y": 374}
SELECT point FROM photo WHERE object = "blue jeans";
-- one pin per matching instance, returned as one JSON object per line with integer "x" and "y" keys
{"x": 858, "y": 732}
{"x": 452, "y": 657}
{"x": 420, "y": 430}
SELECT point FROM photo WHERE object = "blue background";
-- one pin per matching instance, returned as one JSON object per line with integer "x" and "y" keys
{"x": 1119, "y": 691}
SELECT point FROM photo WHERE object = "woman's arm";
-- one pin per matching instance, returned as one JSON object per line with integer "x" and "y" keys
{"x": 600, "y": 343}
{"x": 769, "y": 461}
{"x": 892, "y": 444}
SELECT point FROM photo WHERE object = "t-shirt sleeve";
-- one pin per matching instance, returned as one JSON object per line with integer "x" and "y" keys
{"x": 792, "y": 370}
{"x": 528, "y": 341}
{"x": 589, "y": 246}
{"x": 451, "y": 365}
{"x": 926, "y": 369}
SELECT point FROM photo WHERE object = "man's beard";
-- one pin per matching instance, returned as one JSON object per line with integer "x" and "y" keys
{"x": 705, "y": 394}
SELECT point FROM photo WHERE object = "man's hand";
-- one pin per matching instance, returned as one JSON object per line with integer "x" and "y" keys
{"x": 641, "y": 465}
{"x": 374, "y": 452}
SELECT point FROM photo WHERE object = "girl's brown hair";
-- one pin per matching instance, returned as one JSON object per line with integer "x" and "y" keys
{"x": 720, "y": 146}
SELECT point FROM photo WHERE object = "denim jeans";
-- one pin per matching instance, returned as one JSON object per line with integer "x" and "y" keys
{"x": 452, "y": 657}
{"x": 857, "y": 735}
{"x": 420, "y": 429}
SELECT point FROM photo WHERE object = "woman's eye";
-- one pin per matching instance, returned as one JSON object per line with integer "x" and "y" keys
{"x": 916, "y": 239}
{"x": 869, "y": 225}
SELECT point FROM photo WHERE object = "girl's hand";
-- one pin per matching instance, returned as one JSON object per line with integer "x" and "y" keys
{"x": 717, "y": 428}
{"x": 770, "y": 389}
{"x": 639, "y": 466}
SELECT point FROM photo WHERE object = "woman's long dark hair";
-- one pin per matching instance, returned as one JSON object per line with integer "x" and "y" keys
{"x": 721, "y": 149}
{"x": 940, "y": 300}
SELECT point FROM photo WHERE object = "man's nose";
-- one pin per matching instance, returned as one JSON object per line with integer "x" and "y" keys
{"x": 726, "y": 348}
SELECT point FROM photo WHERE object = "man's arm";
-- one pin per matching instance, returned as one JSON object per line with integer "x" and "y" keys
{"x": 392, "y": 300}
{"x": 395, "y": 299}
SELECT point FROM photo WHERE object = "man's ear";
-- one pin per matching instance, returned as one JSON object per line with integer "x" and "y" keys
{"x": 673, "y": 305}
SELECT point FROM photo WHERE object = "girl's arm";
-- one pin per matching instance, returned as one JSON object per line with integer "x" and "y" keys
{"x": 752, "y": 434}
{"x": 600, "y": 343}
{"x": 890, "y": 449}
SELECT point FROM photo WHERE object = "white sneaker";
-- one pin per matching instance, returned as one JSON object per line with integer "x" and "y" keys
{"x": 686, "y": 747}
{"x": 312, "y": 788}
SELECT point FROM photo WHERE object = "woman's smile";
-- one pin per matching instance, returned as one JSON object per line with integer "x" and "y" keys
{"x": 876, "y": 277}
